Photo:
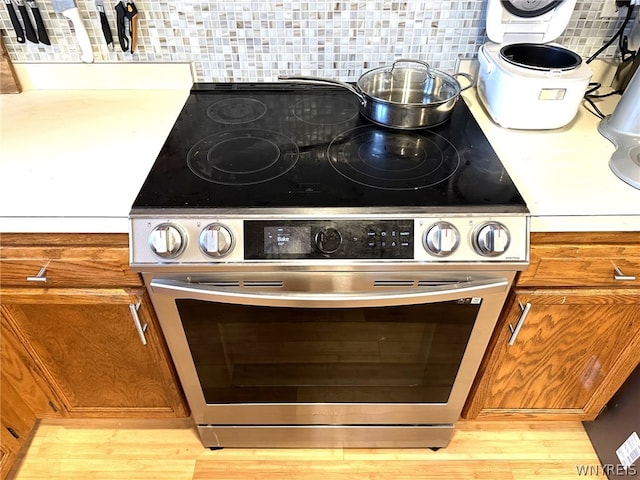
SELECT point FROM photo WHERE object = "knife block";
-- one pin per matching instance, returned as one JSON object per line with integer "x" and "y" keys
{"x": 8, "y": 80}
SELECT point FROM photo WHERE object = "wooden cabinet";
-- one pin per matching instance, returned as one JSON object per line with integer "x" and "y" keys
{"x": 90, "y": 351}
{"x": 89, "y": 327}
{"x": 570, "y": 333}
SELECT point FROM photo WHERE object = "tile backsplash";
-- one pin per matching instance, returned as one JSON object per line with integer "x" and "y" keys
{"x": 255, "y": 40}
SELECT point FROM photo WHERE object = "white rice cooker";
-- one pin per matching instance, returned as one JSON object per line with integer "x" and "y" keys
{"x": 523, "y": 81}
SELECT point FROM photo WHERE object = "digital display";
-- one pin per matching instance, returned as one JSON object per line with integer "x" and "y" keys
{"x": 287, "y": 240}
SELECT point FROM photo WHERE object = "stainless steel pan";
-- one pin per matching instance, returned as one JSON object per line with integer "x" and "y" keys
{"x": 401, "y": 97}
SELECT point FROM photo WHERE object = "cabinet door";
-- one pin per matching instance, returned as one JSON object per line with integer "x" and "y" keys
{"x": 88, "y": 347}
{"x": 573, "y": 350}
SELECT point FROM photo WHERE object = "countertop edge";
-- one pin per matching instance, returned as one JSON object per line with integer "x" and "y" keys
{"x": 64, "y": 225}
{"x": 585, "y": 223}
{"x": 105, "y": 76}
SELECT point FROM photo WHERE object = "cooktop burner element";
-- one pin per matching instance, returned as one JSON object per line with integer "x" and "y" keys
{"x": 233, "y": 111}
{"x": 242, "y": 157}
{"x": 393, "y": 160}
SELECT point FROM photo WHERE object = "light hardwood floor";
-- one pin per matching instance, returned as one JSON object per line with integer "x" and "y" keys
{"x": 171, "y": 450}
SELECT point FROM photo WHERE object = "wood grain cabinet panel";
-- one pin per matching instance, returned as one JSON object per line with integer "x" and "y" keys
{"x": 19, "y": 369}
{"x": 6, "y": 457}
{"x": 16, "y": 422}
{"x": 570, "y": 354}
{"x": 579, "y": 331}
{"x": 574, "y": 260}
{"x": 87, "y": 345}
{"x": 71, "y": 266}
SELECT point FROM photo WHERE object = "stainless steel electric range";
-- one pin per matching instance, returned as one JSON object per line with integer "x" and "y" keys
{"x": 322, "y": 281}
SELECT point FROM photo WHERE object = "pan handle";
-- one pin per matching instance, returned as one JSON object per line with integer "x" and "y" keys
{"x": 472, "y": 81}
{"x": 323, "y": 81}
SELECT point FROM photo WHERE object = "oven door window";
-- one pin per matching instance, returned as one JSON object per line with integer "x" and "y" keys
{"x": 397, "y": 354}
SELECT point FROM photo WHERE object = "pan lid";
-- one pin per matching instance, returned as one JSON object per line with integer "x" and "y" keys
{"x": 527, "y": 21}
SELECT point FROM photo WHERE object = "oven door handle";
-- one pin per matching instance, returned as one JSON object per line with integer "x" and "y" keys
{"x": 384, "y": 297}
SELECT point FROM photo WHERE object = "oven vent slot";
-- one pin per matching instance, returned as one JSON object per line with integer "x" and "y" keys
{"x": 393, "y": 283}
{"x": 220, "y": 283}
{"x": 436, "y": 283}
{"x": 263, "y": 283}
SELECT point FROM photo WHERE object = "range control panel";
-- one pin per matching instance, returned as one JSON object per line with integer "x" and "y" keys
{"x": 198, "y": 240}
{"x": 310, "y": 239}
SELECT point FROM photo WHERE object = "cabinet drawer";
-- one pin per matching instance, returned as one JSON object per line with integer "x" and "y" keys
{"x": 83, "y": 266}
{"x": 583, "y": 260}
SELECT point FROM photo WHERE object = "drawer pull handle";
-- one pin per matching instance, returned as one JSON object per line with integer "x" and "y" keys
{"x": 618, "y": 275}
{"x": 140, "y": 328}
{"x": 516, "y": 330}
{"x": 41, "y": 276}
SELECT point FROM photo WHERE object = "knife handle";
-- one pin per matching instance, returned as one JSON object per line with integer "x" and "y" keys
{"x": 16, "y": 23}
{"x": 28, "y": 26}
{"x": 42, "y": 31}
{"x": 82, "y": 36}
{"x": 106, "y": 30}
{"x": 134, "y": 31}
{"x": 120, "y": 16}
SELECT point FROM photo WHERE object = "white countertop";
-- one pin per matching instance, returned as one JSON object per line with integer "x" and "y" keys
{"x": 564, "y": 174}
{"x": 74, "y": 160}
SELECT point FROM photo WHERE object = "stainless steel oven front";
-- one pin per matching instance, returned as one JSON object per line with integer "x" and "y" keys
{"x": 325, "y": 352}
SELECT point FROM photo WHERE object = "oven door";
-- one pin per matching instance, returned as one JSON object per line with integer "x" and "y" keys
{"x": 328, "y": 348}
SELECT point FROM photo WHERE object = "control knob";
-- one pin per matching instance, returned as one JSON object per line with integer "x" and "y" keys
{"x": 328, "y": 240}
{"x": 216, "y": 240}
{"x": 166, "y": 240}
{"x": 491, "y": 239}
{"x": 441, "y": 239}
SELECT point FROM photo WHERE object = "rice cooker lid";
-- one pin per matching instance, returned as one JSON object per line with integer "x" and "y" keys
{"x": 527, "y": 21}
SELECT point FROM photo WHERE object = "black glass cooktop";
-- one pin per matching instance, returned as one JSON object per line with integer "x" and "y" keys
{"x": 279, "y": 145}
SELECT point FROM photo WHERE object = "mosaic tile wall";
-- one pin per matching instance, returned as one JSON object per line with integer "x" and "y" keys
{"x": 255, "y": 40}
